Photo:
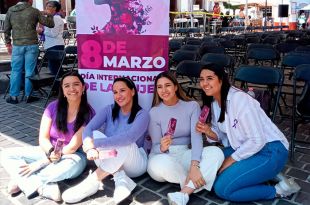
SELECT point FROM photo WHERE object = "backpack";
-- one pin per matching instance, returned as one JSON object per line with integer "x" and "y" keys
{"x": 303, "y": 105}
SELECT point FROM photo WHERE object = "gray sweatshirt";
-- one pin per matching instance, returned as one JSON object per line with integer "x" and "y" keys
{"x": 187, "y": 114}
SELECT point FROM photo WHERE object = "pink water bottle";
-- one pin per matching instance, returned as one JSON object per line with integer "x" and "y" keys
{"x": 106, "y": 154}
{"x": 204, "y": 114}
{"x": 171, "y": 126}
{"x": 58, "y": 146}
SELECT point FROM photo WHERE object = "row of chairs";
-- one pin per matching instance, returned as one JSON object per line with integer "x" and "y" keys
{"x": 42, "y": 78}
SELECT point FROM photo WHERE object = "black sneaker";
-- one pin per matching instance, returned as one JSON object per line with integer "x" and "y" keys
{"x": 12, "y": 100}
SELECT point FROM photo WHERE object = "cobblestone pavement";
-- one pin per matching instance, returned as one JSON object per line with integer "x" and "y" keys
{"x": 19, "y": 126}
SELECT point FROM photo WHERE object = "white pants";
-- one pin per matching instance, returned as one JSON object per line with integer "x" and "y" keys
{"x": 130, "y": 158}
{"x": 174, "y": 166}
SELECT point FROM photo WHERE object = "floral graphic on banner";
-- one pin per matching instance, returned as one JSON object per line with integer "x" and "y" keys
{"x": 127, "y": 17}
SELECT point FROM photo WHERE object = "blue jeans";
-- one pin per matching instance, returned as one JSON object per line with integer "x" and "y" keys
{"x": 53, "y": 65}
{"x": 69, "y": 166}
{"x": 23, "y": 57}
{"x": 244, "y": 180}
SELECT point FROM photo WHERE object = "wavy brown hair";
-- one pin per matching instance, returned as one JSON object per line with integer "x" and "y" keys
{"x": 179, "y": 92}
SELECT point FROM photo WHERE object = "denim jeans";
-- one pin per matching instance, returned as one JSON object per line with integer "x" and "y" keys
{"x": 244, "y": 180}
{"x": 69, "y": 166}
{"x": 23, "y": 57}
{"x": 53, "y": 65}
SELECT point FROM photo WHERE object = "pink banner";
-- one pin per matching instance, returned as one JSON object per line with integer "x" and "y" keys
{"x": 123, "y": 52}
{"x": 121, "y": 38}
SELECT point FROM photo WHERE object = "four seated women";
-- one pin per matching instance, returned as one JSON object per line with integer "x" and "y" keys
{"x": 177, "y": 155}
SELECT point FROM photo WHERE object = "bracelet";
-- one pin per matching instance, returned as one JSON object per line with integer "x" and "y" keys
{"x": 196, "y": 165}
{"x": 91, "y": 149}
{"x": 209, "y": 132}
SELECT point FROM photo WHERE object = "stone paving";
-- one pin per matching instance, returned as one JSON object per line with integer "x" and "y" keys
{"x": 19, "y": 126}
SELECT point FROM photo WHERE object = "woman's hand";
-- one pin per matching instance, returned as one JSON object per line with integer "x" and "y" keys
{"x": 203, "y": 128}
{"x": 206, "y": 129}
{"x": 39, "y": 30}
{"x": 195, "y": 176}
{"x": 9, "y": 47}
{"x": 165, "y": 143}
{"x": 227, "y": 163}
{"x": 88, "y": 144}
{"x": 28, "y": 169}
{"x": 92, "y": 154}
{"x": 54, "y": 157}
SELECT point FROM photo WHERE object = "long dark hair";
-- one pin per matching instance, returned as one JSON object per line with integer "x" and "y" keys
{"x": 85, "y": 111}
{"x": 223, "y": 77}
{"x": 179, "y": 92}
{"x": 135, "y": 102}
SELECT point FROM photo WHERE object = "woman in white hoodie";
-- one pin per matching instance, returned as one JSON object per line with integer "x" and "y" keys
{"x": 255, "y": 149}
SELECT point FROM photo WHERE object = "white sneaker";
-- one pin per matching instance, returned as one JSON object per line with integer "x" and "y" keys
{"x": 123, "y": 186}
{"x": 50, "y": 191}
{"x": 13, "y": 187}
{"x": 178, "y": 198}
{"x": 86, "y": 188}
{"x": 287, "y": 187}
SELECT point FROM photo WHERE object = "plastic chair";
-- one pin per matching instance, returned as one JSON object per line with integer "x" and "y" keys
{"x": 196, "y": 42}
{"x": 175, "y": 44}
{"x": 305, "y": 49}
{"x": 190, "y": 69}
{"x": 181, "y": 55}
{"x": 269, "y": 77}
{"x": 254, "y": 39}
{"x": 299, "y": 115}
{"x": 70, "y": 60}
{"x": 223, "y": 60}
{"x": 261, "y": 55}
{"x": 207, "y": 47}
{"x": 271, "y": 40}
{"x": 259, "y": 45}
{"x": 190, "y": 47}
{"x": 42, "y": 79}
{"x": 293, "y": 59}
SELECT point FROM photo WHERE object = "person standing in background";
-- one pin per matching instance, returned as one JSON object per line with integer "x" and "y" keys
{"x": 21, "y": 21}
{"x": 52, "y": 37}
{"x": 216, "y": 10}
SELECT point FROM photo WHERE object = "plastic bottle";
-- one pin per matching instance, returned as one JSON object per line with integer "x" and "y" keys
{"x": 251, "y": 92}
{"x": 106, "y": 154}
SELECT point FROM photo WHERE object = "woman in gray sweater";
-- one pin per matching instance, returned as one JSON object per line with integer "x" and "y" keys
{"x": 171, "y": 159}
